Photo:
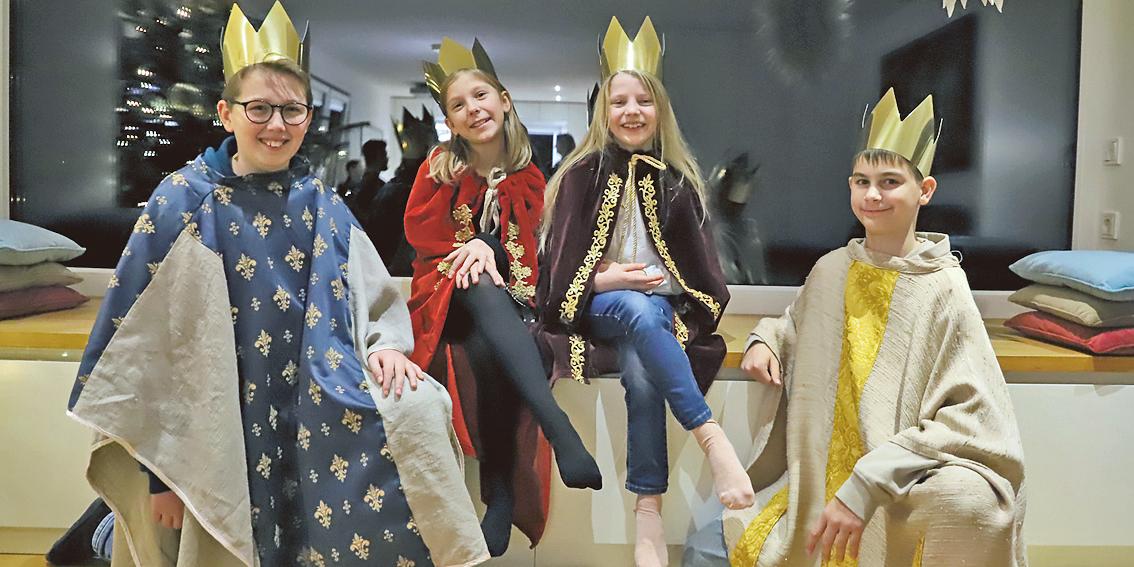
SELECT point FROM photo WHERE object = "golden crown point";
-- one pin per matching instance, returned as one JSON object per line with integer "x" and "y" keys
{"x": 914, "y": 138}
{"x": 453, "y": 57}
{"x": 618, "y": 53}
{"x": 415, "y": 136}
{"x": 243, "y": 45}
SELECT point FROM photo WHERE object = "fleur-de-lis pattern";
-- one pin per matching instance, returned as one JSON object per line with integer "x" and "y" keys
{"x": 306, "y": 418}
{"x": 339, "y": 467}
{"x": 360, "y": 546}
{"x": 263, "y": 225}
{"x": 246, "y": 267}
{"x": 319, "y": 247}
{"x": 334, "y": 358}
{"x": 144, "y": 225}
{"x": 282, "y": 299}
{"x": 352, "y": 421}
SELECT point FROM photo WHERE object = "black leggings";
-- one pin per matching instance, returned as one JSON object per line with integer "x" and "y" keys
{"x": 509, "y": 371}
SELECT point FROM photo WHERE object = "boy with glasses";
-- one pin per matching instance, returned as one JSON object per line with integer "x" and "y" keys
{"x": 245, "y": 356}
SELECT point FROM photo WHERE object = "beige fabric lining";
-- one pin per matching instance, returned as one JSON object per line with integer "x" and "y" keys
{"x": 164, "y": 394}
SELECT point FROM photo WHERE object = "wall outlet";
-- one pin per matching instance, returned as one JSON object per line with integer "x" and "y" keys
{"x": 1108, "y": 225}
{"x": 1113, "y": 155}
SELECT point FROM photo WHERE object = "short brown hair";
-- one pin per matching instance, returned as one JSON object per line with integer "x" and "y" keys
{"x": 278, "y": 67}
{"x": 875, "y": 156}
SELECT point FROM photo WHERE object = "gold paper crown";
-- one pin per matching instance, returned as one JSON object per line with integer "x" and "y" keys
{"x": 914, "y": 138}
{"x": 415, "y": 136}
{"x": 453, "y": 57}
{"x": 618, "y": 53}
{"x": 242, "y": 45}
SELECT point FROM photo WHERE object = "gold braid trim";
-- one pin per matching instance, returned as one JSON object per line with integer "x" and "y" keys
{"x": 680, "y": 331}
{"x": 646, "y": 187}
{"x": 570, "y": 306}
{"x": 462, "y": 215}
{"x": 520, "y": 289}
{"x": 919, "y": 552}
{"x": 578, "y": 355}
{"x": 748, "y": 549}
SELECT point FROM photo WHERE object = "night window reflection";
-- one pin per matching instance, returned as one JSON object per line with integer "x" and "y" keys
{"x": 769, "y": 94}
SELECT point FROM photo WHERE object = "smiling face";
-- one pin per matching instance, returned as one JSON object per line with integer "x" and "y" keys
{"x": 474, "y": 108}
{"x": 886, "y": 197}
{"x": 268, "y": 147}
{"x": 633, "y": 115}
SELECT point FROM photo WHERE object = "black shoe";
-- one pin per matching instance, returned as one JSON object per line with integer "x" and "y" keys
{"x": 74, "y": 548}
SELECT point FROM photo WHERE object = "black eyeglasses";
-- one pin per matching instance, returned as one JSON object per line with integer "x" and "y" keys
{"x": 260, "y": 112}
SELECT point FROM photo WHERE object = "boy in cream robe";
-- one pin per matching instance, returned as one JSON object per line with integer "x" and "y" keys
{"x": 901, "y": 442}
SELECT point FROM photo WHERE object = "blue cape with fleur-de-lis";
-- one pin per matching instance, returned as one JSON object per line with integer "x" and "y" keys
{"x": 231, "y": 310}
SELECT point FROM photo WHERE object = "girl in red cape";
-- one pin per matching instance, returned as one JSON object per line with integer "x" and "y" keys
{"x": 471, "y": 217}
{"x": 643, "y": 295}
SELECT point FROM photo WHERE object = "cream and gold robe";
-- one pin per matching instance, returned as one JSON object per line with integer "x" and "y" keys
{"x": 894, "y": 401}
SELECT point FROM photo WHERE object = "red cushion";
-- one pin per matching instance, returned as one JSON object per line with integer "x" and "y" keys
{"x": 1118, "y": 341}
{"x": 38, "y": 300}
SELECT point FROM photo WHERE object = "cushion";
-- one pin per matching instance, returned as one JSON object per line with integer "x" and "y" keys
{"x": 36, "y": 275}
{"x": 38, "y": 300}
{"x": 1053, "y": 329}
{"x": 1106, "y": 274}
{"x": 1076, "y": 306}
{"x": 23, "y": 244}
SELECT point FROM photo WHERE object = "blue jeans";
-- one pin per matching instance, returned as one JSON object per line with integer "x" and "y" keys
{"x": 654, "y": 371}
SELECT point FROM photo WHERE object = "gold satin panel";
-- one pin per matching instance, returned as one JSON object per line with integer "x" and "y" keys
{"x": 867, "y": 309}
{"x": 747, "y": 551}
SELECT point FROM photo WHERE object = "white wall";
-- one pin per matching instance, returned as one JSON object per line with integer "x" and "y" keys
{"x": 1106, "y": 111}
{"x": 369, "y": 100}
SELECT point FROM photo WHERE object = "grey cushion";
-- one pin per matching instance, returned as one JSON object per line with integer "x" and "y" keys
{"x": 1076, "y": 306}
{"x": 36, "y": 275}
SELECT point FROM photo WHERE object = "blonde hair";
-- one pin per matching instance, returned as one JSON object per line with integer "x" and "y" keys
{"x": 280, "y": 67}
{"x": 675, "y": 151}
{"x": 451, "y": 161}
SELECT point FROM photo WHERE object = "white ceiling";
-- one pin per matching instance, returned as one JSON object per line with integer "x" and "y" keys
{"x": 534, "y": 45}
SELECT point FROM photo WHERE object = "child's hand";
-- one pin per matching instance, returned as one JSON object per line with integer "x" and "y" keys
{"x": 838, "y": 528}
{"x": 760, "y": 363}
{"x": 167, "y": 509}
{"x": 613, "y": 276}
{"x": 469, "y": 261}
{"x": 391, "y": 368}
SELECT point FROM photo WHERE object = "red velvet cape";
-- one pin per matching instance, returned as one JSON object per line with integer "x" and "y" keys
{"x": 439, "y": 219}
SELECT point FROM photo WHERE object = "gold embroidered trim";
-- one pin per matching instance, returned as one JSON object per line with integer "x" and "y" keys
{"x": 748, "y": 549}
{"x": 646, "y": 188}
{"x": 462, "y": 215}
{"x": 570, "y": 306}
{"x": 578, "y": 357}
{"x": 521, "y": 290}
{"x": 680, "y": 331}
{"x": 919, "y": 552}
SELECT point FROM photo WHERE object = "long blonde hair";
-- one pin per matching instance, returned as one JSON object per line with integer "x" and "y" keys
{"x": 674, "y": 150}
{"x": 451, "y": 162}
